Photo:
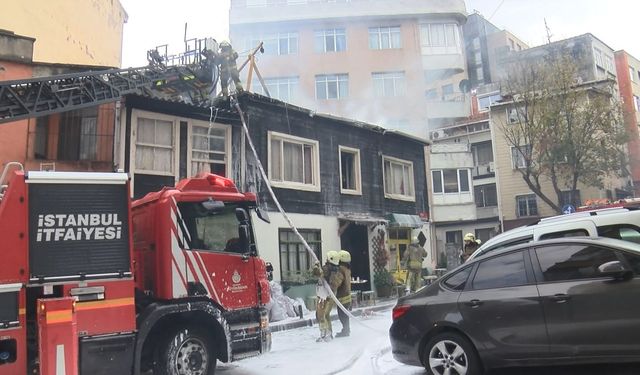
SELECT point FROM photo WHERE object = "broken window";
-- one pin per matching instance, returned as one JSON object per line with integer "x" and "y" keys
{"x": 210, "y": 149}
{"x": 384, "y": 37}
{"x": 398, "y": 178}
{"x": 330, "y": 40}
{"x": 350, "y": 170}
{"x": 388, "y": 84}
{"x": 332, "y": 86}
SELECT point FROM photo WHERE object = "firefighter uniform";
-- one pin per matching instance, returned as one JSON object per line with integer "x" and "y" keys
{"x": 344, "y": 292}
{"x": 330, "y": 272}
{"x": 470, "y": 246}
{"x": 228, "y": 68}
{"x": 412, "y": 259}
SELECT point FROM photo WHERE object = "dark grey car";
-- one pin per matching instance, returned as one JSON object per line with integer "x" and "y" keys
{"x": 560, "y": 301}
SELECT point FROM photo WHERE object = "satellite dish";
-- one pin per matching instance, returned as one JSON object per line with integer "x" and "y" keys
{"x": 465, "y": 86}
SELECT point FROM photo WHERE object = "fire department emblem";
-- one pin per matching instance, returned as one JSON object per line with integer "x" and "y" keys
{"x": 236, "y": 277}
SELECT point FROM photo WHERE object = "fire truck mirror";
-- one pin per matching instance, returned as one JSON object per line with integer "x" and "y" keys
{"x": 263, "y": 215}
{"x": 241, "y": 215}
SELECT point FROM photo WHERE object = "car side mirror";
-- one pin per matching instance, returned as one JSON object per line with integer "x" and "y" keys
{"x": 616, "y": 270}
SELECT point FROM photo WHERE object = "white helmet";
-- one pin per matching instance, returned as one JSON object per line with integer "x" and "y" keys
{"x": 345, "y": 256}
{"x": 333, "y": 257}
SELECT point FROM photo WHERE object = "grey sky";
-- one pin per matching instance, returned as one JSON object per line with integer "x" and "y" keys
{"x": 156, "y": 22}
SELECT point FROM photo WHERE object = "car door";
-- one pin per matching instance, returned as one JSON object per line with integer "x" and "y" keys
{"x": 501, "y": 308}
{"x": 588, "y": 314}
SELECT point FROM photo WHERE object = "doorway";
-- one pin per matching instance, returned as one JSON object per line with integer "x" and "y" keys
{"x": 355, "y": 239}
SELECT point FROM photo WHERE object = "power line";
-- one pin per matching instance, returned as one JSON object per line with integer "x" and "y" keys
{"x": 495, "y": 11}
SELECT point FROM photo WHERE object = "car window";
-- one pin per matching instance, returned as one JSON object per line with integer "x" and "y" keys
{"x": 458, "y": 280}
{"x": 505, "y": 244}
{"x": 634, "y": 262}
{"x": 572, "y": 262}
{"x": 624, "y": 232}
{"x": 500, "y": 272}
{"x": 567, "y": 233}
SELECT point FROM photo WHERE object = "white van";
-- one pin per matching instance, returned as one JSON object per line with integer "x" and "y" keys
{"x": 620, "y": 223}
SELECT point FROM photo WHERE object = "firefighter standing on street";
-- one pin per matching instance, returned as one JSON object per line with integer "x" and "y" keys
{"x": 470, "y": 246}
{"x": 413, "y": 257}
{"x": 344, "y": 292}
{"x": 228, "y": 69}
{"x": 330, "y": 272}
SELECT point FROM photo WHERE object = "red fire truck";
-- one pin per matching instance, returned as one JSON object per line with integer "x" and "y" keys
{"x": 92, "y": 283}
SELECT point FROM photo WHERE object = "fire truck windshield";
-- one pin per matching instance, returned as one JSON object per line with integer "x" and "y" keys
{"x": 211, "y": 229}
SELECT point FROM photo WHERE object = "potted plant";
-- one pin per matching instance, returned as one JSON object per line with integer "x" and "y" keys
{"x": 384, "y": 282}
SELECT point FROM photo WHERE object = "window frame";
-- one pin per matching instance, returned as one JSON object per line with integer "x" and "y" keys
{"x": 429, "y": 45}
{"x": 409, "y": 164}
{"x": 514, "y": 162}
{"x": 292, "y": 84}
{"x": 529, "y": 272}
{"x": 315, "y": 160}
{"x": 535, "y": 197}
{"x": 379, "y": 31}
{"x": 325, "y": 79}
{"x": 442, "y": 186}
{"x": 190, "y": 149}
{"x": 330, "y": 32}
{"x": 397, "y": 80}
{"x": 318, "y": 251}
{"x": 357, "y": 170}
{"x": 482, "y": 189}
{"x": 492, "y": 100}
{"x": 175, "y": 167}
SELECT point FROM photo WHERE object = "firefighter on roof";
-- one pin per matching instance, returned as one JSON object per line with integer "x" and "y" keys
{"x": 412, "y": 260}
{"x": 330, "y": 272}
{"x": 344, "y": 292}
{"x": 228, "y": 69}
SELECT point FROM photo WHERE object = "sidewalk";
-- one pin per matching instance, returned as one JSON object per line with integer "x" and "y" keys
{"x": 309, "y": 320}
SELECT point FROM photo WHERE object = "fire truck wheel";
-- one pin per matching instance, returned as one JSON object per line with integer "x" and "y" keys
{"x": 187, "y": 351}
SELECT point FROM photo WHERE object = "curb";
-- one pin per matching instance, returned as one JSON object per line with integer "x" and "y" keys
{"x": 309, "y": 322}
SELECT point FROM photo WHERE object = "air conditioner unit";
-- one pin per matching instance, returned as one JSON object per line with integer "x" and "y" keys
{"x": 437, "y": 134}
{"x": 48, "y": 167}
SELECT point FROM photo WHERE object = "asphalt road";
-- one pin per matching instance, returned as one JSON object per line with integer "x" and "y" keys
{"x": 627, "y": 369}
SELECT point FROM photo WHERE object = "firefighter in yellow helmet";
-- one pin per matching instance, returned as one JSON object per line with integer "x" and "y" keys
{"x": 330, "y": 272}
{"x": 412, "y": 259}
{"x": 344, "y": 292}
{"x": 228, "y": 68}
{"x": 471, "y": 244}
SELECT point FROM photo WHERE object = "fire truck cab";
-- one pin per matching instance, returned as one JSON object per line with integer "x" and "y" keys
{"x": 92, "y": 283}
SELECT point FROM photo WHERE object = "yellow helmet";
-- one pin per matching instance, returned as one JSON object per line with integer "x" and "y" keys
{"x": 469, "y": 237}
{"x": 345, "y": 256}
{"x": 333, "y": 257}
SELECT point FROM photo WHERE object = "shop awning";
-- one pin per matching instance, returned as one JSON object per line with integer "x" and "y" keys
{"x": 404, "y": 220}
{"x": 361, "y": 219}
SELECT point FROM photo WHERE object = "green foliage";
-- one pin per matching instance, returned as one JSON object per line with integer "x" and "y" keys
{"x": 383, "y": 278}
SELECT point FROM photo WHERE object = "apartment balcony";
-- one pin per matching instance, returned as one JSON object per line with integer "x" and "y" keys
{"x": 487, "y": 212}
{"x": 457, "y": 105}
{"x": 257, "y": 11}
{"x": 483, "y": 170}
{"x": 440, "y": 65}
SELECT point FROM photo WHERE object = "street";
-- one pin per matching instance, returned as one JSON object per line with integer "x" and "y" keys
{"x": 366, "y": 351}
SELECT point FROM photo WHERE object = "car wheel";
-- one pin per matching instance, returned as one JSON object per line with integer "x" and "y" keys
{"x": 186, "y": 352}
{"x": 450, "y": 354}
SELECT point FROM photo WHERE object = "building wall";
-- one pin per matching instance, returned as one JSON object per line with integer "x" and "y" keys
{"x": 66, "y": 31}
{"x": 13, "y": 135}
{"x": 628, "y": 70}
{"x": 408, "y": 112}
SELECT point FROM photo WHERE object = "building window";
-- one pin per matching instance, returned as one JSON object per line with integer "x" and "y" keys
{"x": 256, "y": 3}
{"x": 388, "y": 84}
{"x": 632, "y": 74}
{"x": 486, "y": 101}
{"x": 285, "y": 43}
{"x": 526, "y": 205}
{"x": 570, "y": 197}
{"x": 636, "y": 101}
{"x": 440, "y": 39}
{"x": 398, "y": 179}
{"x": 479, "y": 73}
{"x": 475, "y": 43}
{"x": 384, "y": 37}
{"x": 477, "y": 57}
{"x": 211, "y": 149}
{"x": 519, "y": 156}
{"x": 330, "y": 40}
{"x": 295, "y": 261}
{"x": 484, "y": 234}
{"x": 431, "y": 94}
{"x": 454, "y": 236}
{"x": 294, "y": 162}
{"x": 447, "y": 92}
{"x": 155, "y": 141}
{"x": 332, "y": 86}
{"x": 482, "y": 154}
{"x": 512, "y": 44}
{"x": 281, "y": 88}
{"x": 486, "y": 195}
{"x": 350, "y": 170}
{"x": 450, "y": 181}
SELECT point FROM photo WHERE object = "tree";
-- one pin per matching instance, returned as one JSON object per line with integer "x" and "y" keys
{"x": 562, "y": 131}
